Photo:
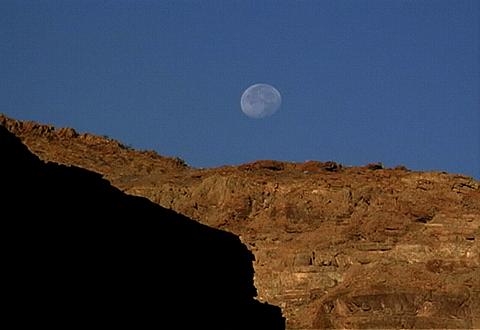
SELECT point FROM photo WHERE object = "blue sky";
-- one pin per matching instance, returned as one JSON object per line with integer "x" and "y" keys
{"x": 362, "y": 81}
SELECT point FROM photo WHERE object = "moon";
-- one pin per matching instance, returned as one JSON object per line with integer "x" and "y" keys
{"x": 260, "y": 101}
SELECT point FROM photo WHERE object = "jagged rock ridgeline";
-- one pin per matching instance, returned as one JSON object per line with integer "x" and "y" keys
{"x": 81, "y": 252}
{"x": 98, "y": 153}
{"x": 334, "y": 246}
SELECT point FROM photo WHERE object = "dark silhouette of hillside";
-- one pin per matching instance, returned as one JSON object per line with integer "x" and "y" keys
{"x": 82, "y": 252}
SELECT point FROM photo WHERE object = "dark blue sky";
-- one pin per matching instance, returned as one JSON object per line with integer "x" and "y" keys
{"x": 396, "y": 82}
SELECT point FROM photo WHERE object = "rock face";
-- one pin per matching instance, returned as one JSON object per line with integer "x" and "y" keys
{"x": 81, "y": 252}
{"x": 335, "y": 247}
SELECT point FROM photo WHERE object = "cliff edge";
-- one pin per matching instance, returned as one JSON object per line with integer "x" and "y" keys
{"x": 334, "y": 246}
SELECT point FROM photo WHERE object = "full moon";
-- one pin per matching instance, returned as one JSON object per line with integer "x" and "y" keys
{"x": 260, "y": 101}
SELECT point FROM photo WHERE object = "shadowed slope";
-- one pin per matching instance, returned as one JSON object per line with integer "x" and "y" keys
{"x": 84, "y": 253}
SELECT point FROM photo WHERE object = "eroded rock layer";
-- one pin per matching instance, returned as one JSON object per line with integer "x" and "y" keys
{"x": 335, "y": 247}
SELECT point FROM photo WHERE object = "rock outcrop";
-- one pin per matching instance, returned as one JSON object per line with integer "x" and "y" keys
{"x": 334, "y": 246}
{"x": 82, "y": 253}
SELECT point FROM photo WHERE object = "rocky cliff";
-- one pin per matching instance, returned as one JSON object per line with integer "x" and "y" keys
{"x": 334, "y": 246}
{"x": 80, "y": 252}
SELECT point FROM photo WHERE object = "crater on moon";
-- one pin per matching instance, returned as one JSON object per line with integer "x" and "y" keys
{"x": 260, "y": 101}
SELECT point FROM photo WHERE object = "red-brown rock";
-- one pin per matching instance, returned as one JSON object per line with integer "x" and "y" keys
{"x": 334, "y": 246}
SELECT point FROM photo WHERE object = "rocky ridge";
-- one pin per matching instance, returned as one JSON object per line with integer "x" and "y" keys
{"x": 334, "y": 246}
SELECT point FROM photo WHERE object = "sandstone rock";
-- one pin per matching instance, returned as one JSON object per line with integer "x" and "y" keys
{"x": 341, "y": 247}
